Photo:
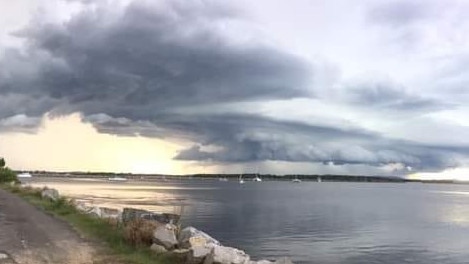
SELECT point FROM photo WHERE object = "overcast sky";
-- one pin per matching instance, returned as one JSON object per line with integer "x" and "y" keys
{"x": 354, "y": 87}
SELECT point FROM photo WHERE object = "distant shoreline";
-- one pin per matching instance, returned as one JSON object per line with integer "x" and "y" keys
{"x": 247, "y": 176}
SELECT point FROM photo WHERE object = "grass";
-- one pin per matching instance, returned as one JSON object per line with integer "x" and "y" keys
{"x": 117, "y": 247}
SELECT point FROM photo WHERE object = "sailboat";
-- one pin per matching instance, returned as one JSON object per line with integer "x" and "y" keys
{"x": 319, "y": 179}
{"x": 296, "y": 180}
{"x": 241, "y": 181}
{"x": 223, "y": 179}
{"x": 257, "y": 178}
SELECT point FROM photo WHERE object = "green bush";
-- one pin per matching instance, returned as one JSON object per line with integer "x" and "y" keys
{"x": 7, "y": 175}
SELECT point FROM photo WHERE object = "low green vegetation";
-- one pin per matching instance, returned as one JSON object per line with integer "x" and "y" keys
{"x": 119, "y": 247}
{"x": 6, "y": 175}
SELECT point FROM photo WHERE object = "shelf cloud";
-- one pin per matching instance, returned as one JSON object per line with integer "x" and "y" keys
{"x": 204, "y": 72}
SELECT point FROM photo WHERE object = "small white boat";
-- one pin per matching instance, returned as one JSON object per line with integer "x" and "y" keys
{"x": 223, "y": 179}
{"x": 257, "y": 179}
{"x": 241, "y": 181}
{"x": 24, "y": 175}
{"x": 296, "y": 180}
{"x": 319, "y": 179}
{"x": 119, "y": 179}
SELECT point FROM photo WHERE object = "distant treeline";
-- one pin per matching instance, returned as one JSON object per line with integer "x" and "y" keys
{"x": 247, "y": 176}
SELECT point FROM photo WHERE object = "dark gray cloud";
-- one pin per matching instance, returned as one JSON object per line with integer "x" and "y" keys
{"x": 250, "y": 138}
{"x": 17, "y": 104}
{"x": 20, "y": 123}
{"x": 146, "y": 60}
{"x": 237, "y": 138}
{"x": 122, "y": 126}
{"x": 391, "y": 96}
{"x": 128, "y": 72}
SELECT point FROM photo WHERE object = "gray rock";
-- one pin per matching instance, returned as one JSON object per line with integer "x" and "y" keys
{"x": 283, "y": 260}
{"x": 200, "y": 243}
{"x": 51, "y": 194}
{"x": 5, "y": 259}
{"x": 181, "y": 255}
{"x": 158, "y": 249}
{"x": 191, "y": 237}
{"x": 130, "y": 214}
{"x": 196, "y": 256}
{"x": 165, "y": 235}
{"x": 104, "y": 212}
{"x": 200, "y": 251}
{"x": 209, "y": 258}
{"x": 164, "y": 218}
{"x": 82, "y": 207}
{"x": 229, "y": 255}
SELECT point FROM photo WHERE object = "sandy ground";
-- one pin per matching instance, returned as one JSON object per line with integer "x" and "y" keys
{"x": 30, "y": 236}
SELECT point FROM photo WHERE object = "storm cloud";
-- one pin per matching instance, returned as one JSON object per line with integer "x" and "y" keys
{"x": 240, "y": 138}
{"x": 144, "y": 60}
{"x": 251, "y": 138}
{"x": 149, "y": 69}
{"x": 388, "y": 95}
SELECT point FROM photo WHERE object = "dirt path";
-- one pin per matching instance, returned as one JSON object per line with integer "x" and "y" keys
{"x": 30, "y": 236}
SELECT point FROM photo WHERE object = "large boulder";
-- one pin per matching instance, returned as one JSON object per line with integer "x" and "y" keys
{"x": 162, "y": 218}
{"x": 131, "y": 214}
{"x": 229, "y": 255}
{"x": 81, "y": 206}
{"x": 165, "y": 235}
{"x": 181, "y": 256}
{"x": 209, "y": 258}
{"x": 104, "y": 212}
{"x": 191, "y": 237}
{"x": 51, "y": 194}
{"x": 199, "y": 253}
{"x": 158, "y": 249}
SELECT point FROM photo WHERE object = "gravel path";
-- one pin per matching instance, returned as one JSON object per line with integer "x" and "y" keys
{"x": 30, "y": 236}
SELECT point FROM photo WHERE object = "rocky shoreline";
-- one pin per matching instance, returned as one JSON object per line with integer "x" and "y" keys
{"x": 167, "y": 236}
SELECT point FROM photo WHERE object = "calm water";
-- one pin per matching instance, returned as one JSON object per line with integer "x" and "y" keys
{"x": 310, "y": 222}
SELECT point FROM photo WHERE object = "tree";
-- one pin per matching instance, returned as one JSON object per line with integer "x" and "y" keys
{"x": 6, "y": 175}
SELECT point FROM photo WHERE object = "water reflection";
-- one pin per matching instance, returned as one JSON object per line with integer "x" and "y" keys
{"x": 324, "y": 223}
{"x": 119, "y": 195}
